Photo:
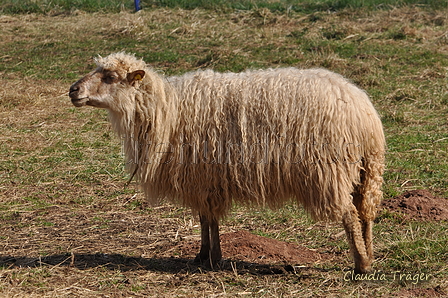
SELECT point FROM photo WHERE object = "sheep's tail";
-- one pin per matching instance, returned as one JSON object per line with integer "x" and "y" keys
{"x": 368, "y": 194}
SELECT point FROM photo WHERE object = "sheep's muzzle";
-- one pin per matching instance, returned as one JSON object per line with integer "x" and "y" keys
{"x": 74, "y": 95}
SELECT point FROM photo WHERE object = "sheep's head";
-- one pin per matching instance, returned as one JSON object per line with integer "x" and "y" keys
{"x": 114, "y": 76}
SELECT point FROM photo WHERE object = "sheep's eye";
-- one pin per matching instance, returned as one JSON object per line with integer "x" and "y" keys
{"x": 110, "y": 79}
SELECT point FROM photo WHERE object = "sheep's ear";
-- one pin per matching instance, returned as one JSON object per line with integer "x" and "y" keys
{"x": 137, "y": 75}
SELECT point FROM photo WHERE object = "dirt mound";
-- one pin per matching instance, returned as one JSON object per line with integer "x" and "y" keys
{"x": 418, "y": 204}
{"x": 250, "y": 248}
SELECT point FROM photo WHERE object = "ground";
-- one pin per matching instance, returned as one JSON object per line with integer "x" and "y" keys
{"x": 135, "y": 245}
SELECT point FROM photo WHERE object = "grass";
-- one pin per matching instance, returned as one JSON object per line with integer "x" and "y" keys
{"x": 63, "y": 6}
{"x": 74, "y": 230}
{"x": 286, "y": 6}
{"x": 281, "y": 6}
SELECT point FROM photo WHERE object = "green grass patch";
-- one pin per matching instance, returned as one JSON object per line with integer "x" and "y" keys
{"x": 293, "y": 5}
{"x": 420, "y": 245}
{"x": 60, "y": 6}
{"x": 280, "y": 6}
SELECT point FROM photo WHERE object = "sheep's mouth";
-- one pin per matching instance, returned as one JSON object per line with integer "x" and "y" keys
{"x": 79, "y": 102}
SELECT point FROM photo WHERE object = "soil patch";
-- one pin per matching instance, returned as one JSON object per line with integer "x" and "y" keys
{"x": 418, "y": 204}
{"x": 408, "y": 293}
{"x": 250, "y": 248}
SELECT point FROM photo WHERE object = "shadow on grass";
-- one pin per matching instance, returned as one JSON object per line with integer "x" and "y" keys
{"x": 127, "y": 263}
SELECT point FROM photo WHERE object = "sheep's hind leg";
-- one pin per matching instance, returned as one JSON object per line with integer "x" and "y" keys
{"x": 355, "y": 237}
{"x": 204, "y": 253}
{"x": 366, "y": 223}
{"x": 368, "y": 237}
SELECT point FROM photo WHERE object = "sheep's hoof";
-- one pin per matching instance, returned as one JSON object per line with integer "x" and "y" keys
{"x": 363, "y": 270}
{"x": 207, "y": 262}
{"x": 201, "y": 258}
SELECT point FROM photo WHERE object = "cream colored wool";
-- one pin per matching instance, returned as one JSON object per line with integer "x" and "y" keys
{"x": 264, "y": 137}
{"x": 308, "y": 135}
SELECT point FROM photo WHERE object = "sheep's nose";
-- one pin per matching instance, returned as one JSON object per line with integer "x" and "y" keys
{"x": 74, "y": 89}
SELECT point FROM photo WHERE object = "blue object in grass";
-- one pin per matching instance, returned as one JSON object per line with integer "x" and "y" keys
{"x": 137, "y": 5}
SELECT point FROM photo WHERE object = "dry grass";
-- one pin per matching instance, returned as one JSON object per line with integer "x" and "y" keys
{"x": 70, "y": 229}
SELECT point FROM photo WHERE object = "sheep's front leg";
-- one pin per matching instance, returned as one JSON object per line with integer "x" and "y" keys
{"x": 210, "y": 243}
{"x": 215, "y": 250}
{"x": 204, "y": 253}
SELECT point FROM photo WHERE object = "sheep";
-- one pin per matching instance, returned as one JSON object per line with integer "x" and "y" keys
{"x": 207, "y": 140}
